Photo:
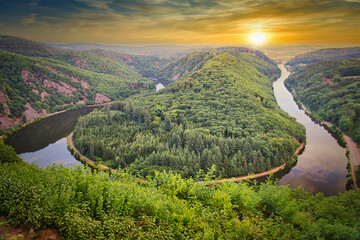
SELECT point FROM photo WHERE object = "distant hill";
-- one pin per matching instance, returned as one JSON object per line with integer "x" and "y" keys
{"x": 194, "y": 61}
{"x": 324, "y": 54}
{"x": 256, "y": 58}
{"x": 147, "y": 66}
{"x": 220, "y": 111}
{"x": 157, "y": 51}
{"x": 92, "y": 60}
{"x": 331, "y": 89}
{"x": 36, "y": 79}
{"x": 288, "y": 52}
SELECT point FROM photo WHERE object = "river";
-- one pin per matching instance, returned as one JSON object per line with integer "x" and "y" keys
{"x": 44, "y": 142}
{"x": 322, "y": 165}
{"x": 320, "y": 168}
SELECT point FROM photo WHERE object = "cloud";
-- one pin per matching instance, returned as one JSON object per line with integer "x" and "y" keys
{"x": 29, "y": 19}
{"x": 189, "y": 20}
{"x": 96, "y": 3}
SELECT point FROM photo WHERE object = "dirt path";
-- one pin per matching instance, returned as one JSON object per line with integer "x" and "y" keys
{"x": 24, "y": 232}
{"x": 354, "y": 156}
{"x": 257, "y": 175}
{"x": 273, "y": 170}
{"x": 82, "y": 157}
{"x": 354, "y": 150}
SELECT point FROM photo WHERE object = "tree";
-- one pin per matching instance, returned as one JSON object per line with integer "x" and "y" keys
{"x": 147, "y": 118}
{"x": 199, "y": 144}
{"x": 23, "y": 119}
{"x": 7, "y": 154}
{"x": 167, "y": 123}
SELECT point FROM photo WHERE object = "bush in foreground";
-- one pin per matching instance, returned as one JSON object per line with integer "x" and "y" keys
{"x": 86, "y": 205}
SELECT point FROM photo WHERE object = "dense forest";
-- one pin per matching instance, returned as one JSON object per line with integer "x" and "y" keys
{"x": 331, "y": 89}
{"x": 324, "y": 54}
{"x": 223, "y": 114}
{"x": 93, "y": 205}
{"x": 147, "y": 66}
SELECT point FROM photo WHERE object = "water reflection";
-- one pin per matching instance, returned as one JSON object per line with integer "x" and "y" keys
{"x": 322, "y": 166}
{"x": 44, "y": 142}
{"x": 40, "y": 134}
{"x": 55, "y": 153}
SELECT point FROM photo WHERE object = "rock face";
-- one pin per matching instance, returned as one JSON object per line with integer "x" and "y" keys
{"x": 30, "y": 113}
{"x": 43, "y": 95}
{"x": 81, "y": 63}
{"x": 62, "y": 87}
{"x": 100, "y": 98}
{"x": 84, "y": 84}
{"x": 3, "y": 98}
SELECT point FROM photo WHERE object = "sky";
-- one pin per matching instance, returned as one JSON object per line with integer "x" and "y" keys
{"x": 185, "y": 22}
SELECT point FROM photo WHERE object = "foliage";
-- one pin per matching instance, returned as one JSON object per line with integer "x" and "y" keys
{"x": 331, "y": 89}
{"x": 357, "y": 175}
{"x": 223, "y": 114}
{"x": 147, "y": 66}
{"x": 193, "y": 62}
{"x": 7, "y": 154}
{"x": 93, "y": 60}
{"x": 86, "y": 205}
{"x": 258, "y": 59}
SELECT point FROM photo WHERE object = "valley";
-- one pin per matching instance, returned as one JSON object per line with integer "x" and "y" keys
{"x": 223, "y": 116}
{"x": 191, "y": 119}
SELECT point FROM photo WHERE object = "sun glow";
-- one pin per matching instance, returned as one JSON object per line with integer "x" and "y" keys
{"x": 258, "y": 38}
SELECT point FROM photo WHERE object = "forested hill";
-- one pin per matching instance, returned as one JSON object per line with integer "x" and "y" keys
{"x": 224, "y": 114}
{"x": 147, "y": 66}
{"x": 331, "y": 89}
{"x": 258, "y": 59}
{"x": 32, "y": 86}
{"x": 193, "y": 62}
{"x": 324, "y": 54}
{"x": 93, "y": 60}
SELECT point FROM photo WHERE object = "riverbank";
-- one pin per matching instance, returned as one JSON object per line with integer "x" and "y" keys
{"x": 81, "y": 157}
{"x": 346, "y": 141}
{"x": 257, "y": 175}
{"x": 93, "y": 165}
{"x": 354, "y": 156}
{"x": 15, "y": 129}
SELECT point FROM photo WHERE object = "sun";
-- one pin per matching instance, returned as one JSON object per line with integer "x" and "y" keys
{"x": 258, "y": 38}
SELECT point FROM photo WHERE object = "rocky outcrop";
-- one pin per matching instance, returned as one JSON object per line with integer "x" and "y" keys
{"x": 100, "y": 98}
{"x": 62, "y": 87}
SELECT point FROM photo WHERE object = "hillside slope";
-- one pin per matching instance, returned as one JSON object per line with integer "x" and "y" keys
{"x": 324, "y": 54}
{"x": 331, "y": 89}
{"x": 147, "y": 66}
{"x": 32, "y": 86}
{"x": 194, "y": 61}
{"x": 88, "y": 60}
{"x": 224, "y": 114}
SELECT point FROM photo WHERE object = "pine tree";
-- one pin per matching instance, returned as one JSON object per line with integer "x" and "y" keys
{"x": 167, "y": 123}
{"x": 199, "y": 144}
{"x": 147, "y": 118}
